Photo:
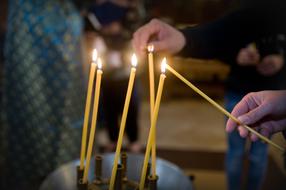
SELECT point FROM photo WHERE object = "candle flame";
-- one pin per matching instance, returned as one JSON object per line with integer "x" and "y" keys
{"x": 99, "y": 63}
{"x": 134, "y": 60}
{"x": 94, "y": 55}
{"x": 150, "y": 48}
{"x": 163, "y": 65}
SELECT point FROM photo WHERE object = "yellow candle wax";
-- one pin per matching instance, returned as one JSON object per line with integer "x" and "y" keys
{"x": 151, "y": 78}
{"x": 153, "y": 126}
{"x": 150, "y": 49}
{"x": 93, "y": 121}
{"x": 87, "y": 109}
{"x": 123, "y": 122}
{"x": 221, "y": 109}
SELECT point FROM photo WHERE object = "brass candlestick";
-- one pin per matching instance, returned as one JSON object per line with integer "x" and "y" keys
{"x": 98, "y": 170}
{"x": 153, "y": 182}
{"x": 121, "y": 182}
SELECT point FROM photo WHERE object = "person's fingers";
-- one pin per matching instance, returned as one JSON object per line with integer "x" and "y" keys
{"x": 241, "y": 58}
{"x": 135, "y": 46}
{"x": 145, "y": 32}
{"x": 160, "y": 45}
{"x": 255, "y": 114}
{"x": 136, "y": 43}
{"x": 137, "y": 38}
{"x": 253, "y": 137}
{"x": 230, "y": 125}
{"x": 266, "y": 131}
{"x": 248, "y": 111}
{"x": 265, "y": 69}
{"x": 270, "y": 65}
{"x": 243, "y": 132}
{"x": 270, "y": 127}
{"x": 252, "y": 57}
{"x": 274, "y": 126}
{"x": 245, "y": 57}
{"x": 240, "y": 109}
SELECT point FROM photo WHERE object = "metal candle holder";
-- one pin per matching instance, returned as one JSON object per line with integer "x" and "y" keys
{"x": 121, "y": 181}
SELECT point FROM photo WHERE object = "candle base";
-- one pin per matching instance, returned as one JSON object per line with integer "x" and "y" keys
{"x": 82, "y": 186}
{"x": 147, "y": 174}
{"x": 153, "y": 182}
{"x": 79, "y": 175}
{"x": 98, "y": 170}
{"x": 124, "y": 165}
{"x": 119, "y": 180}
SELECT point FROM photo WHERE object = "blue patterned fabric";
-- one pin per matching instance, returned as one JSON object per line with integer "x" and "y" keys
{"x": 43, "y": 91}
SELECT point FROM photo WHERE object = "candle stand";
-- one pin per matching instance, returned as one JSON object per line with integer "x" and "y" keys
{"x": 65, "y": 177}
{"x": 121, "y": 182}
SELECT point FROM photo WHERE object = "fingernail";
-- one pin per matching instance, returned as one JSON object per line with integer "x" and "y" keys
{"x": 243, "y": 119}
{"x": 242, "y": 132}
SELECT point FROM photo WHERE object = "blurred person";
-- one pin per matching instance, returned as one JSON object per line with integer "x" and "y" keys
{"x": 43, "y": 90}
{"x": 112, "y": 43}
{"x": 222, "y": 39}
{"x": 257, "y": 69}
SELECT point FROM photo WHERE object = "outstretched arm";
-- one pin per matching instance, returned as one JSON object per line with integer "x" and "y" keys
{"x": 215, "y": 39}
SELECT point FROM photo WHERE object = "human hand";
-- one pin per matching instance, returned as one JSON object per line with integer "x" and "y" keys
{"x": 168, "y": 39}
{"x": 248, "y": 56}
{"x": 265, "y": 111}
{"x": 270, "y": 64}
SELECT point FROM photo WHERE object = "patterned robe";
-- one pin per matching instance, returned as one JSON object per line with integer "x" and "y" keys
{"x": 43, "y": 91}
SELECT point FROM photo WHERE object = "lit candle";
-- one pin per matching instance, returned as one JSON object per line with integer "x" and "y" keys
{"x": 123, "y": 120}
{"x": 87, "y": 109}
{"x": 94, "y": 118}
{"x": 221, "y": 109}
{"x": 150, "y": 49}
{"x": 153, "y": 125}
{"x": 151, "y": 78}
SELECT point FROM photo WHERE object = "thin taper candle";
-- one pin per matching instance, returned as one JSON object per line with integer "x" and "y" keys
{"x": 93, "y": 121}
{"x": 123, "y": 122}
{"x": 216, "y": 105}
{"x": 150, "y": 49}
{"x": 87, "y": 109}
{"x": 151, "y": 78}
{"x": 153, "y": 126}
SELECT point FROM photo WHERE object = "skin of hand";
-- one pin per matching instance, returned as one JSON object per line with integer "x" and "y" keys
{"x": 167, "y": 38}
{"x": 248, "y": 56}
{"x": 270, "y": 65}
{"x": 265, "y": 111}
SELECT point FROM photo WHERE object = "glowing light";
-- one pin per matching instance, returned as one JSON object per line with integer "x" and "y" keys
{"x": 99, "y": 63}
{"x": 94, "y": 55}
{"x": 134, "y": 60}
{"x": 150, "y": 48}
{"x": 163, "y": 65}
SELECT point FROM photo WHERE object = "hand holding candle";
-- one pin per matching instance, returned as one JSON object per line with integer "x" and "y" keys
{"x": 153, "y": 124}
{"x": 221, "y": 109}
{"x": 87, "y": 109}
{"x": 123, "y": 121}
{"x": 94, "y": 118}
